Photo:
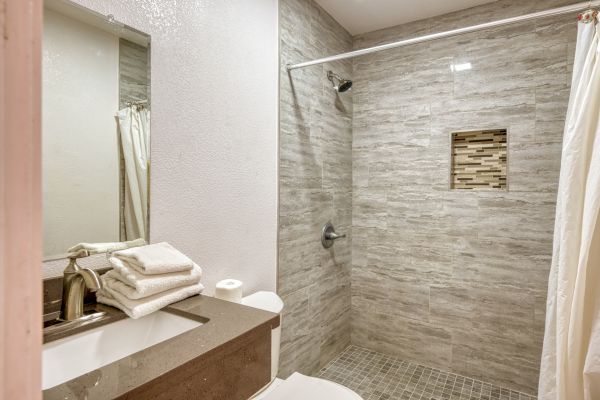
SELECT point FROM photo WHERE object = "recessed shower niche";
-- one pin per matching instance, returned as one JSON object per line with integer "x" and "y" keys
{"x": 479, "y": 160}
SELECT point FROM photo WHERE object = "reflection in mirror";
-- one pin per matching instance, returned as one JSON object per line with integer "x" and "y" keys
{"x": 95, "y": 129}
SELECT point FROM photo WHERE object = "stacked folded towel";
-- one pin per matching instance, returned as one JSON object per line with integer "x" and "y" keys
{"x": 146, "y": 279}
{"x": 95, "y": 248}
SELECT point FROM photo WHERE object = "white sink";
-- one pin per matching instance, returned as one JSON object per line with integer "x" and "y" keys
{"x": 73, "y": 356}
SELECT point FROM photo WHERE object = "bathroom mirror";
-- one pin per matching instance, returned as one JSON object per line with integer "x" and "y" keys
{"x": 95, "y": 128}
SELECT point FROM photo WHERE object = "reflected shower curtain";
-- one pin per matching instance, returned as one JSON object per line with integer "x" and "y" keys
{"x": 134, "y": 124}
{"x": 570, "y": 365}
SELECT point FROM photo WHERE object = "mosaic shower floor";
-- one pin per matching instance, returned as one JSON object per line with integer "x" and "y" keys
{"x": 377, "y": 376}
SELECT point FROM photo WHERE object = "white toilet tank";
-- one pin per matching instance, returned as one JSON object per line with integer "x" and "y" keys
{"x": 269, "y": 301}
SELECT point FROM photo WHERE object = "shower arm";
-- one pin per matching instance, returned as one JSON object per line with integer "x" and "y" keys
{"x": 331, "y": 75}
{"x": 434, "y": 36}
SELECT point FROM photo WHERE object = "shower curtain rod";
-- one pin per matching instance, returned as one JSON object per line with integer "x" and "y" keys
{"x": 426, "y": 38}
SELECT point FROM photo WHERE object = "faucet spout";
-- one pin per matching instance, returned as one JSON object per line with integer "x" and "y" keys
{"x": 91, "y": 279}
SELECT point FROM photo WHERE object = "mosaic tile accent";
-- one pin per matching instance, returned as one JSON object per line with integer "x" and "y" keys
{"x": 479, "y": 159}
{"x": 377, "y": 376}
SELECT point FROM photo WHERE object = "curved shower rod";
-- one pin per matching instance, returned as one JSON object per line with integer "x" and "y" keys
{"x": 426, "y": 38}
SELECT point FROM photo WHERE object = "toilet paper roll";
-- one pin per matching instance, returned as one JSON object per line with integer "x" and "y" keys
{"x": 230, "y": 290}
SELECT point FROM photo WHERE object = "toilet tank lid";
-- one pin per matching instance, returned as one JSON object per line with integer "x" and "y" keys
{"x": 263, "y": 300}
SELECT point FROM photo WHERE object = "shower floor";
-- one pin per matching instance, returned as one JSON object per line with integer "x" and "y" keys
{"x": 377, "y": 376}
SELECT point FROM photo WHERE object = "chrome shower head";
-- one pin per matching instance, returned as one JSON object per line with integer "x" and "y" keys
{"x": 342, "y": 84}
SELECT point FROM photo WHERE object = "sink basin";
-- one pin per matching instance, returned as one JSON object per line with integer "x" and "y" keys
{"x": 73, "y": 356}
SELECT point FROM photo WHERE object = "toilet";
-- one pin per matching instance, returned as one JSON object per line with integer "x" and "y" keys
{"x": 296, "y": 386}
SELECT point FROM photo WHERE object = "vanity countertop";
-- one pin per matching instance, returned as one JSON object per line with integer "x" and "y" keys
{"x": 225, "y": 325}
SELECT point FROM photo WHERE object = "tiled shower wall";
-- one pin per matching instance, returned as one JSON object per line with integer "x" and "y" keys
{"x": 456, "y": 279}
{"x": 134, "y": 72}
{"x": 134, "y": 85}
{"x": 451, "y": 279}
{"x": 315, "y": 186}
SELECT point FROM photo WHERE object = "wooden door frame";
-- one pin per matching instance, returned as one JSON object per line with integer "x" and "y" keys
{"x": 21, "y": 23}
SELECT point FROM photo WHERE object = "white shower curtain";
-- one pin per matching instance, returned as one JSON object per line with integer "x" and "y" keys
{"x": 134, "y": 124}
{"x": 570, "y": 365}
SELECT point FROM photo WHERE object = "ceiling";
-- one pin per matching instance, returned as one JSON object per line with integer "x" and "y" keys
{"x": 360, "y": 16}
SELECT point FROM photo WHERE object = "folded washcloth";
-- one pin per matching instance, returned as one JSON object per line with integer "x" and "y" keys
{"x": 138, "y": 308}
{"x": 95, "y": 248}
{"x": 156, "y": 258}
{"x": 135, "y": 285}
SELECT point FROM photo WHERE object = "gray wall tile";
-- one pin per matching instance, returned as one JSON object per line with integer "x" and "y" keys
{"x": 134, "y": 72}
{"x": 315, "y": 186}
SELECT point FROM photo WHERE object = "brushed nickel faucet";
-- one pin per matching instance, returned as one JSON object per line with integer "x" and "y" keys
{"x": 75, "y": 281}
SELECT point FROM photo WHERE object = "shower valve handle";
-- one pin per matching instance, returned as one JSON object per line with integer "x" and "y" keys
{"x": 334, "y": 236}
{"x": 328, "y": 235}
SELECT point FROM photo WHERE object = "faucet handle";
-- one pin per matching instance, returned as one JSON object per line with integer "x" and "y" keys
{"x": 73, "y": 267}
{"x": 78, "y": 254}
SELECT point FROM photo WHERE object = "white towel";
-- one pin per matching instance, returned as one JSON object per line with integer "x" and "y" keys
{"x": 138, "y": 308}
{"x": 95, "y": 248}
{"x": 156, "y": 258}
{"x": 137, "y": 285}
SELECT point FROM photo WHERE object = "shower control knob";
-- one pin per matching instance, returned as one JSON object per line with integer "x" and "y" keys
{"x": 328, "y": 235}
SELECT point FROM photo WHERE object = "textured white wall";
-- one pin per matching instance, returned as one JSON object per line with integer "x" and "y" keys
{"x": 214, "y": 131}
{"x": 80, "y": 147}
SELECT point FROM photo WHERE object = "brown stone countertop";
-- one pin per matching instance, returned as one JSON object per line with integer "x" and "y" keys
{"x": 223, "y": 323}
